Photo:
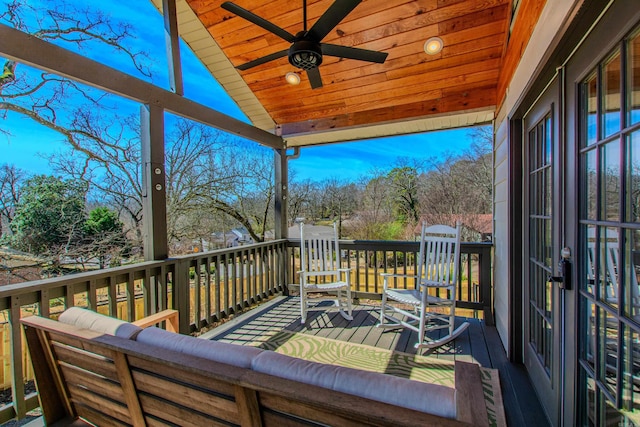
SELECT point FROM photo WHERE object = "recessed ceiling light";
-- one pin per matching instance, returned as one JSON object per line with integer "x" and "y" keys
{"x": 292, "y": 78}
{"x": 433, "y": 45}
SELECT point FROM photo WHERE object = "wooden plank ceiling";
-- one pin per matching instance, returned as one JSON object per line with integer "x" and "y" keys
{"x": 410, "y": 85}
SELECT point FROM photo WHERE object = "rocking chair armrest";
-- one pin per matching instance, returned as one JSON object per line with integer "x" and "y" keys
{"x": 387, "y": 276}
{"x": 321, "y": 273}
{"x": 435, "y": 285}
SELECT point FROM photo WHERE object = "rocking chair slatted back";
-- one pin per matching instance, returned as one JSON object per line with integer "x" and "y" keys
{"x": 321, "y": 272}
{"x": 439, "y": 248}
{"x": 319, "y": 254}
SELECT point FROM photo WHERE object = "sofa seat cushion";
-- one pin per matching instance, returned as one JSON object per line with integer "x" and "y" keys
{"x": 434, "y": 399}
{"x": 88, "y": 319}
{"x": 231, "y": 354}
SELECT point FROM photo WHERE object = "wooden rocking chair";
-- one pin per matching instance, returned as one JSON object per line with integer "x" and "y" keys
{"x": 431, "y": 305}
{"x": 320, "y": 272}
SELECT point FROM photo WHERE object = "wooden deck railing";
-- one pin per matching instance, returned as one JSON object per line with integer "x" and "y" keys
{"x": 368, "y": 259}
{"x": 208, "y": 286}
{"x": 205, "y": 288}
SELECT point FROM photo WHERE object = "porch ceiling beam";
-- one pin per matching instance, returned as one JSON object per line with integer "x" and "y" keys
{"x": 30, "y": 50}
{"x": 480, "y": 98}
{"x": 173, "y": 46}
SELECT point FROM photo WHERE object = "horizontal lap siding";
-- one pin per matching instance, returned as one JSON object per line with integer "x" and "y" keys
{"x": 501, "y": 232}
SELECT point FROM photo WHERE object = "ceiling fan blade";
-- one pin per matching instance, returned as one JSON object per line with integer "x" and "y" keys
{"x": 314, "y": 78}
{"x": 263, "y": 60}
{"x": 252, "y": 17}
{"x": 353, "y": 53}
{"x": 332, "y": 17}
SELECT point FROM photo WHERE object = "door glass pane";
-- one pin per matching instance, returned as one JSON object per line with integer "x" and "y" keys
{"x": 631, "y": 375}
{"x": 540, "y": 244}
{"x": 611, "y": 179}
{"x": 611, "y": 95}
{"x": 591, "y": 102}
{"x": 590, "y": 260}
{"x": 633, "y": 177}
{"x": 634, "y": 80}
{"x": 548, "y": 140}
{"x": 608, "y": 355}
{"x": 609, "y": 264}
{"x": 631, "y": 272}
{"x": 589, "y": 344}
{"x": 591, "y": 185}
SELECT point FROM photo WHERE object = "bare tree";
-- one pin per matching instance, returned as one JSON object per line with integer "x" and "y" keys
{"x": 300, "y": 196}
{"x": 11, "y": 180}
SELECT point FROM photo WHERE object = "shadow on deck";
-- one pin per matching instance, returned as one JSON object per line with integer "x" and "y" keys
{"x": 479, "y": 344}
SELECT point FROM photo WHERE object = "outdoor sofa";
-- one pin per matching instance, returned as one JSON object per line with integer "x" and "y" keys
{"x": 105, "y": 371}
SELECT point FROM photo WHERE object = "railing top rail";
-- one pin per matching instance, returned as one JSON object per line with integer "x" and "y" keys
{"x": 24, "y": 287}
{"x": 54, "y": 282}
{"x": 391, "y": 244}
{"x": 225, "y": 251}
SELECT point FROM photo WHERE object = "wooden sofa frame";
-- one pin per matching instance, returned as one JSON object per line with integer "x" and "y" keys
{"x": 83, "y": 375}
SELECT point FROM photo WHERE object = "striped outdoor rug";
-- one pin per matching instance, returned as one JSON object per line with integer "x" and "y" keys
{"x": 415, "y": 367}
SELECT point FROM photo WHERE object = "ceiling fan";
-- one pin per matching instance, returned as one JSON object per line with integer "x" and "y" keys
{"x": 306, "y": 49}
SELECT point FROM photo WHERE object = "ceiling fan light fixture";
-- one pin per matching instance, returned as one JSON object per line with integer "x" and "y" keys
{"x": 305, "y": 54}
{"x": 292, "y": 78}
{"x": 433, "y": 46}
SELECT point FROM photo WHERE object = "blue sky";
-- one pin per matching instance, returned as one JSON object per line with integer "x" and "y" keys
{"x": 28, "y": 145}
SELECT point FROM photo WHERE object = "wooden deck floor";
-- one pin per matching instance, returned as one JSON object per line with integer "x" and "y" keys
{"x": 479, "y": 343}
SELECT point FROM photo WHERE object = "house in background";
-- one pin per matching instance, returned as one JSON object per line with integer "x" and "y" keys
{"x": 240, "y": 236}
{"x": 475, "y": 227}
{"x": 323, "y": 231}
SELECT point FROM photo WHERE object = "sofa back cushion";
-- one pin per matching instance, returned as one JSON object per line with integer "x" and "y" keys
{"x": 430, "y": 398}
{"x": 231, "y": 354}
{"x": 88, "y": 319}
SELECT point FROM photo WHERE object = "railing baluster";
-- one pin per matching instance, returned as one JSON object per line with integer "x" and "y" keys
{"x": 112, "y": 296}
{"x": 217, "y": 289}
{"x": 207, "y": 290}
{"x": 92, "y": 297}
{"x": 45, "y": 305}
{"x": 197, "y": 303}
{"x": 131, "y": 295}
{"x": 17, "y": 378}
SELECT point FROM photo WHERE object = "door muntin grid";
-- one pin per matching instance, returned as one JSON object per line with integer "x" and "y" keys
{"x": 609, "y": 191}
{"x": 540, "y": 298}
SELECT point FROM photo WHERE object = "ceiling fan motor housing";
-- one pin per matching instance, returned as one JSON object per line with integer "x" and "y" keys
{"x": 305, "y": 54}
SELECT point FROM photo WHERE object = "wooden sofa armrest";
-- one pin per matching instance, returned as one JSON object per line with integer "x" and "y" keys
{"x": 470, "y": 395}
{"x": 168, "y": 315}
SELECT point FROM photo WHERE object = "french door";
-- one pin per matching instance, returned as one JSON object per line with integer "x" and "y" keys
{"x": 543, "y": 233}
{"x": 609, "y": 232}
